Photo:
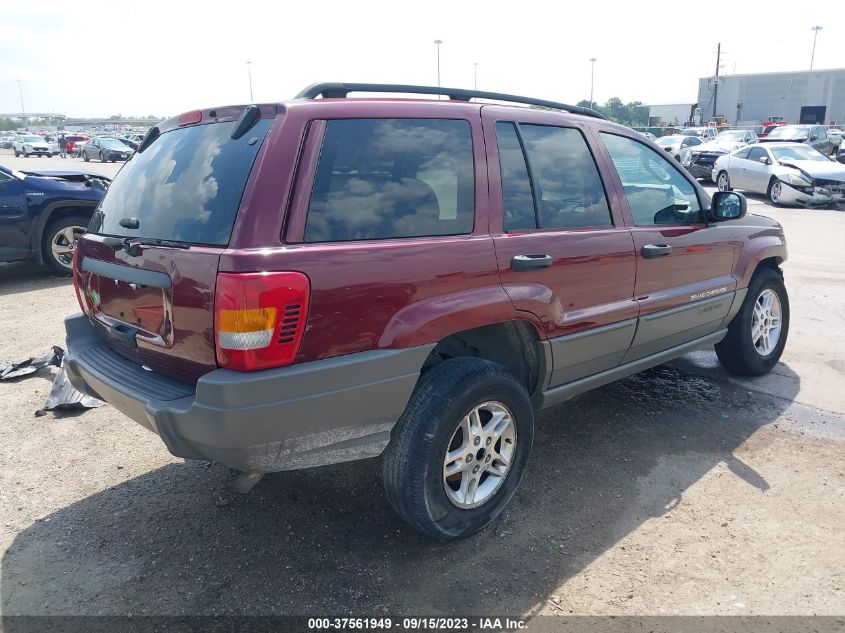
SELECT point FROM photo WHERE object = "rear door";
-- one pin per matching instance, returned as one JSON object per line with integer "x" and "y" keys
{"x": 562, "y": 249}
{"x": 684, "y": 284}
{"x": 153, "y": 301}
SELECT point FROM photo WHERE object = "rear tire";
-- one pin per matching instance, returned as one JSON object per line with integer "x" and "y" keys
{"x": 58, "y": 236}
{"x": 85, "y": 157}
{"x": 743, "y": 351}
{"x": 452, "y": 411}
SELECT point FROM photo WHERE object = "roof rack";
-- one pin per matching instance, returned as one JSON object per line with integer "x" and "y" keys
{"x": 337, "y": 90}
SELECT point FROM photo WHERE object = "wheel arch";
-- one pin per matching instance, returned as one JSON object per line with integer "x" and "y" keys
{"x": 514, "y": 344}
{"x": 54, "y": 211}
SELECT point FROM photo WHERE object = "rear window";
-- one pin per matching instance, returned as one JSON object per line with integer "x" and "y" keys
{"x": 185, "y": 187}
{"x": 390, "y": 178}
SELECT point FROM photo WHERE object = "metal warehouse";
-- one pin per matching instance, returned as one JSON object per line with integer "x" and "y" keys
{"x": 809, "y": 96}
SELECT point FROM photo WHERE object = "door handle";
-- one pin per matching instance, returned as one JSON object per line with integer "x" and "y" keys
{"x": 650, "y": 251}
{"x": 522, "y": 263}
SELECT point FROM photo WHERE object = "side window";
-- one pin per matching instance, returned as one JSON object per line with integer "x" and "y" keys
{"x": 567, "y": 186}
{"x": 657, "y": 193}
{"x": 743, "y": 153}
{"x": 756, "y": 153}
{"x": 388, "y": 178}
{"x": 517, "y": 200}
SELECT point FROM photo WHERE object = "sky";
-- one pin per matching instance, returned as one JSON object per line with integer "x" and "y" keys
{"x": 97, "y": 58}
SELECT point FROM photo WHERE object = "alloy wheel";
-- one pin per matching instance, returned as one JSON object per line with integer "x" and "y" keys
{"x": 766, "y": 322}
{"x": 63, "y": 242}
{"x": 479, "y": 455}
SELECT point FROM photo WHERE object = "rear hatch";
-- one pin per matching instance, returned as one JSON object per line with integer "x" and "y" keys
{"x": 146, "y": 270}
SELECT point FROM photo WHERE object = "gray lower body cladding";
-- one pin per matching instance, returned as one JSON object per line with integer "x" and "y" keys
{"x": 309, "y": 414}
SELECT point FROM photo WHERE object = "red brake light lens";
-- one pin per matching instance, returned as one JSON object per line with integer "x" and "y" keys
{"x": 74, "y": 267}
{"x": 259, "y": 318}
{"x": 189, "y": 118}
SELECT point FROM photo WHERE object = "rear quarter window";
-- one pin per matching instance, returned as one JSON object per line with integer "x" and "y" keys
{"x": 392, "y": 178}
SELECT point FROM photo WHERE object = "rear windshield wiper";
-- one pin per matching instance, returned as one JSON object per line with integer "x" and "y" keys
{"x": 132, "y": 244}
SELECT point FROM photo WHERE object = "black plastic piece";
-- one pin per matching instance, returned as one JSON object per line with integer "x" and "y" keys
{"x": 249, "y": 117}
{"x": 523, "y": 263}
{"x": 124, "y": 334}
{"x": 338, "y": 90}
{"x": 115, "y": 243}
{"x": 152, "y": 135}
{"x": 130, "y": 275}
{"x": 130, "y": 223}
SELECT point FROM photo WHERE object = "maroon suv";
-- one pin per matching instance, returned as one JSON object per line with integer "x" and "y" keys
{"x": 328, "y": 279}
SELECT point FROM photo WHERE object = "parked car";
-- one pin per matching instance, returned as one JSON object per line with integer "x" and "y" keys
{"x": 31, "y": 145}
{"x": 677, "y": 144}
{"x": 43, "y": 213}
{"x": 290, "y": 285}
{"x": 128, "y": 142}
{"x": 840, "y": 155}
{"x": 104, "y": 149}
{"x": 835, "y": 135}
{"x": 788, "y": 173}
{"x": 813, "y": 135}
{"x": 7, "y": 141}
{"x": 704, "y": 133}
{"x": 649, "y": 136}
{"x": 72, "y": 140}
{"x": 699, "y": 160}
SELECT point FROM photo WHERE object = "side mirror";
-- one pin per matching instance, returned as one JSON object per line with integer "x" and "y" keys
{"x": 728, "y": 205}
{"x": 765, "y": 160}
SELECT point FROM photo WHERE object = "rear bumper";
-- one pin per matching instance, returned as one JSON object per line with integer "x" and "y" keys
{"x": 311, "y": 414}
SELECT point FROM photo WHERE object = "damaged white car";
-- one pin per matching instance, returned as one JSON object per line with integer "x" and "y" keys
{"x": 787, "y": 173}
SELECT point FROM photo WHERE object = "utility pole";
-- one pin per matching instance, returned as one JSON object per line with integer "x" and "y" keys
{"x": 815, "y": 30}
{"x": 592, "y": 77}
{"x": 716, "y": 78}
{"x": 475, "y": 75}
{"x": 249, "y": 72}
{"x": 438, "y": 43}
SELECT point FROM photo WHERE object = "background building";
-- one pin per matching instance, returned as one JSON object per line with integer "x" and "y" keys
{"x": 809, "y": 96}
{"x": 670, "y": 113}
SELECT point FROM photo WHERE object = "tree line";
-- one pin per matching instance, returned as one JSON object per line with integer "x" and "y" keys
{"x": 633, "y": 114}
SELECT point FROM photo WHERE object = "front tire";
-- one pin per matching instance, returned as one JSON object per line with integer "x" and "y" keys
{"x": 774, "y": 191}
{"x": 458, "y": 452}
{"x": 58, "y": 243}
{"x": 85, "y": 157}
{"x": 723, "y": 181}
{"x": 757, "y": 335}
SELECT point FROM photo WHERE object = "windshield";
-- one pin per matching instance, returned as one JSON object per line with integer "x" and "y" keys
{"x": 668, "y": 140}
{"x": 693, "y": 132}
{"x": 186, "y": 186}
{"x": 788, "y": 131}
{"x": 33, "y": 139}
{"x": 111, "y": 142}
{"x": 797, "y": 152}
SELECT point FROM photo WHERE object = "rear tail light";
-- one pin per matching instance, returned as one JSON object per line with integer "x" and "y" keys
{"x": 259, "y": 318}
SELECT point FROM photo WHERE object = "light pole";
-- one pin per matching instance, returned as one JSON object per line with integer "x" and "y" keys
{"x": 23, "y": 110}
{"x": 475, "y": 75}
{"x": 592, "y": 77}
{"x": 815, "y": 30}
{"x": 249, "y": 72}
{"x": 438, "y": 43}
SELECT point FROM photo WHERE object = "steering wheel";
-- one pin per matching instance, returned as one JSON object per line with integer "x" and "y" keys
{"x": 655, "y": 169}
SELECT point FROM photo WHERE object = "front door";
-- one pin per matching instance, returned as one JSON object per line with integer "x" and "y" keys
{"x": 14, "y": 222}
{"x": 756, "y": 170}
{"x": 684, "y": 284}
{"x": 563, "y": 251}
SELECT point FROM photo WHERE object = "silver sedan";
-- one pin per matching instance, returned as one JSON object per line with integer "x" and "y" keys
{"x": 787, "y": 173}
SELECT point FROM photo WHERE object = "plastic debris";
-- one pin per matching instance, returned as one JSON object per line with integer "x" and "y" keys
{"x": 31, "y": 365}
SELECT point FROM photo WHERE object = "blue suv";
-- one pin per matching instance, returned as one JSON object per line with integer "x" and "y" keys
{"x": 43, "y": 213}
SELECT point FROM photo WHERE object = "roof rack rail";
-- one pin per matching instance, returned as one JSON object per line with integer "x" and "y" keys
{"x": 338, "y": 90}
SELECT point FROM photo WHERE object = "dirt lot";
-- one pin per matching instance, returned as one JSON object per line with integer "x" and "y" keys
{"x": 678, "y": 491}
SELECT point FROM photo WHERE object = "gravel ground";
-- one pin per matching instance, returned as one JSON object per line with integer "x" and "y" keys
{"x": 678, "y": 491}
